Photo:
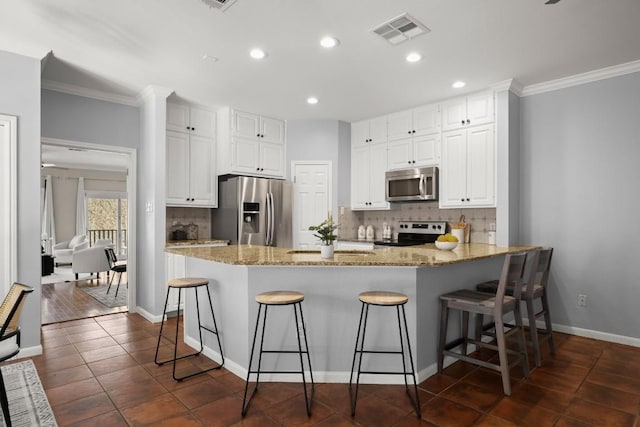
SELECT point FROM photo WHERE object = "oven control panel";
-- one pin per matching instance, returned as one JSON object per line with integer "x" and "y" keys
{"x": 423, "y": 227}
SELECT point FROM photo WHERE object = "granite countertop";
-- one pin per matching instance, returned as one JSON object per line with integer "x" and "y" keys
{"x": 171, "y": 243}
{"x": 411, "y": 256}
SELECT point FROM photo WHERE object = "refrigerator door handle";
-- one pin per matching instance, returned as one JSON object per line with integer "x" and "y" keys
{"x": 272, "y": 226}
{"x": 268, "y": 221}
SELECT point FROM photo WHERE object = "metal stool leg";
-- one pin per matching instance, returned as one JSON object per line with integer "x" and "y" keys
{"x": 364, "y": 331}
{"x": 304, "y": 382}
{"x": 245, "y": 402}
{"x": 164, "y": 314}
{"x": 413, "y": 370}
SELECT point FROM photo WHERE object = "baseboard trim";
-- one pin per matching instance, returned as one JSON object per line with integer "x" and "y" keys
{"x": 602, "y": 336}
{"x": 36, "y": 350}
{"x": 150, "y": 317}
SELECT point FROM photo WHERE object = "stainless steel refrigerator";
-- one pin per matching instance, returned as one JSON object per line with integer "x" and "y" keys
{"x": 255, "y": 211}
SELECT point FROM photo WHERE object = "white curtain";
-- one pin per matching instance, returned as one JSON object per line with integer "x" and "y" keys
{"x": 81, "y": 209}
{"x": 48, "y": 224}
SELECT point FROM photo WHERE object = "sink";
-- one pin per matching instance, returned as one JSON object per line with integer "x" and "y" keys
{"x": 336, "y": 252}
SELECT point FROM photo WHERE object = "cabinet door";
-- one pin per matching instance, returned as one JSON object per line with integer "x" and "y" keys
{"x": 378, "y": 160}
{"x": 400, "y": 153}
{"x": 378, "y": 130}
{"x": 426, "y": 150}
{"x": 245, "y": 155}
{"x": 359, "y": 133}
{"x": 400, "y": 125}
{"x": 178, "y": 117}
{"x": 480, "y": 108}
{"x": 360, "y": 173}
{"x": 203, "y": 122}
{"x": 481, "y": 166}
{"x": 177, "y": 172}
{"x": 453, "y": 182}
{"x": 201, "y": 171}
{"x": 272, "y": 130}
{"x": 246, "y": 125}
{"x": 454, "y": 114}
{"x": 426, "y": 120}
{"x": 271, "y": 159}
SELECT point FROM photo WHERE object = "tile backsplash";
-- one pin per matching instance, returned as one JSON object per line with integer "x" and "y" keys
{"x": 185, "y": 216}
{"x": 479, "y": 219}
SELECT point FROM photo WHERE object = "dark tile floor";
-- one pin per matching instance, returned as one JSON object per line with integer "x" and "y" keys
{"x": 100, "y": 372}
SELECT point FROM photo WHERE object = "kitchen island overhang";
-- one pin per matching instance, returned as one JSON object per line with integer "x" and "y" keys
{"x": 331, "y": 306}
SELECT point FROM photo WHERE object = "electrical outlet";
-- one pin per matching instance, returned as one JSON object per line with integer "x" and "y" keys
{"x": 582, "y": 300}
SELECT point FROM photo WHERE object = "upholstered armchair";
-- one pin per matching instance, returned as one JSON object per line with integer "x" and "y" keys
{"x": 64, "y": 250}
{"x": 91, "y": 260}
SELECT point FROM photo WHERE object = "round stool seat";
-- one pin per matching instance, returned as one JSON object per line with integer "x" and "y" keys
{"x": 383, "y": 298}
{"x": 279, "y": 297}
{"x": 187, "y": 282}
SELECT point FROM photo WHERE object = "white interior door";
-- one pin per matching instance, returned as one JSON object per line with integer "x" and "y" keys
{"x": 311, "y": 200}
{"x": 8, "y": 203}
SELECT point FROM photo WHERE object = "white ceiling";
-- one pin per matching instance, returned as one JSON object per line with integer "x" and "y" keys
{"x": 121, "y": 46}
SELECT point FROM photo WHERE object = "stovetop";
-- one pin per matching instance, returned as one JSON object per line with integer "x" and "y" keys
{"x": 416, "y": 233}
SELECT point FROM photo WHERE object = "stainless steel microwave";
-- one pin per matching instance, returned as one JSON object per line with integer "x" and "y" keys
{"x": 413, "y": 184}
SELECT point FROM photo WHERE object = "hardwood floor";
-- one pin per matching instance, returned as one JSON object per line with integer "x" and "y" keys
{"x": 100, "y": 371}
{"x": 65, "y": 301}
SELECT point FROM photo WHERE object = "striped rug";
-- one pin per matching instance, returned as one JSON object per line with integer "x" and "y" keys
{"x": 28, "y": 403}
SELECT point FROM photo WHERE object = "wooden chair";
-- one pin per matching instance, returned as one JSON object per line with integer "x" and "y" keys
{"x": 496, "y": 305}
{"x": 10, "y": 335}
{"x": 535, "y": 288}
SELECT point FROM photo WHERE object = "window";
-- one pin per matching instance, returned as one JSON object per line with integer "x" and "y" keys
{"x": 107, "y": 216}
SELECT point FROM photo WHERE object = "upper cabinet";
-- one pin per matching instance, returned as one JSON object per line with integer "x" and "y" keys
{"x": 190, "y": 157}
{"x": 368, "y": 166}
{"x": 369, "y": 131}
{"x": 472, "y": 110}
{"x": 414, "y": 137}
{"x": 196, "y": 121}
{"x": 250, "y": 144}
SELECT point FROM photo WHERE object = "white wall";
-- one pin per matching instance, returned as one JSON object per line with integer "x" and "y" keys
{"x": 20, "y": 89}
{"x": 580, "y": 149}
{"x": 323, "y": 140}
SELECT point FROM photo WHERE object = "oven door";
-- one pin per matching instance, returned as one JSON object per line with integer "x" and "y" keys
{"x": 411, "y": 184}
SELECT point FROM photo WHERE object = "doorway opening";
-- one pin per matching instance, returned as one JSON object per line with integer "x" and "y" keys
{"x": 93, "y": 196}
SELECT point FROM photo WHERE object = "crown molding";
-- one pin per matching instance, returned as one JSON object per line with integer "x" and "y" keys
{"x": 578, "y": 79}
{"x": 89, "y": 93}
{"x": 511, "y": 85}
{"x": 153, "y": 90}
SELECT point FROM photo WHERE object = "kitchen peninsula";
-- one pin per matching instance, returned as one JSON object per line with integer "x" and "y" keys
{"x": 331, "y": 307}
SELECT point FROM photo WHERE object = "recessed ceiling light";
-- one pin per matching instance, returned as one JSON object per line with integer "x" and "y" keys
{"x": 312, "y": 100}
{"x": 329, "y": 42}
{"x": 414, "y": 57}
{"x": 209, "y": 58}
{"x": 257, "y": 53}
{"x": 459, "y": 84}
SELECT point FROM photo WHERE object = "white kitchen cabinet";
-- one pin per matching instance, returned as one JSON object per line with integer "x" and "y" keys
{"x": 191, "y": 178}
{"x": 368, "y": 167}
{"x": 424, "y": 120}
{"x": 468, "y": 111}
{"x": 415, "y": 151}
{"x": 191, "y": 120}
{"x": 250, "y": 144}
{"x": 371, "y": 131}
{"x": 467, "y": 173}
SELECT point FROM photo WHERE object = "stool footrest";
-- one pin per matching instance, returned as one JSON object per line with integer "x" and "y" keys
{"x": 386, "y": 373}
{"x": 285, "y": 351}
{"x": 379, "y": 352}
{"x": 274, "y": 372}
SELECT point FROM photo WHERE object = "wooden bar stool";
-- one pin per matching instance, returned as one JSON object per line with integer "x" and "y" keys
{"x": 496, "y": 305}
{"x": 535, "y": 288}
{"x": 383, "y": 299}
{"x": 279, "y": 298}
{"x": 180, "y": 284}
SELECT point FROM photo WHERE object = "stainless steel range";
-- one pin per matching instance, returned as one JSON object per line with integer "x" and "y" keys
{"x": 416, "y": 233}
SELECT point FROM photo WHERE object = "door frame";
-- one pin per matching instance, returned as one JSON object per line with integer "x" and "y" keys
{"x": 131, "y": 202}
{"x": 295, "y": 163}
{"x": 9, "y": 216}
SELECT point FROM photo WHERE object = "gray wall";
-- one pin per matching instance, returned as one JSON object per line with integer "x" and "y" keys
{"x": 323, "y": 140}
{"x": 76, "y": 118}
{"x": 20, "y": 96}
{"x": 580, "y": 148}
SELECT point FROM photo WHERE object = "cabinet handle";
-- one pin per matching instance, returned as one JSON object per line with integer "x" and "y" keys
{"x": 462, "y": 121}
{"x": 193, "y": 128}
{"x": 468, "y": 199}
{"x": 468, "y": 121}
{"x": 409, "y": 132}
{"x": 462, "y": 200}
{"x": 413, "y": 161}
{"x": 409, "y": 161}
{"x": 413, "y": 131}
{"x": 258, "y": 135}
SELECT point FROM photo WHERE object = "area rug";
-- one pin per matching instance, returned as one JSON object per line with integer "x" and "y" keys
{"x": 28, "y": 404}
{"x": 110, "y": 299}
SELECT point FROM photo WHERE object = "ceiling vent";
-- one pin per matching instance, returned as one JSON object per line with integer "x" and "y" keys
{"x": 221, "y": 5}
{"x": 400, "y": 29}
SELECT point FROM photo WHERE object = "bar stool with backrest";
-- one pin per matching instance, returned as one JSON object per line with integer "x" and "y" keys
{"x": 275, "y": 299}
{"x": 496, "y": 305}
{"x": 382, "y": 299}
{"x": 535, "y": 288}
{"x": 115, "y": 267}
{"x": 10, "y": 335}
{"x": 180, "y": 284}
